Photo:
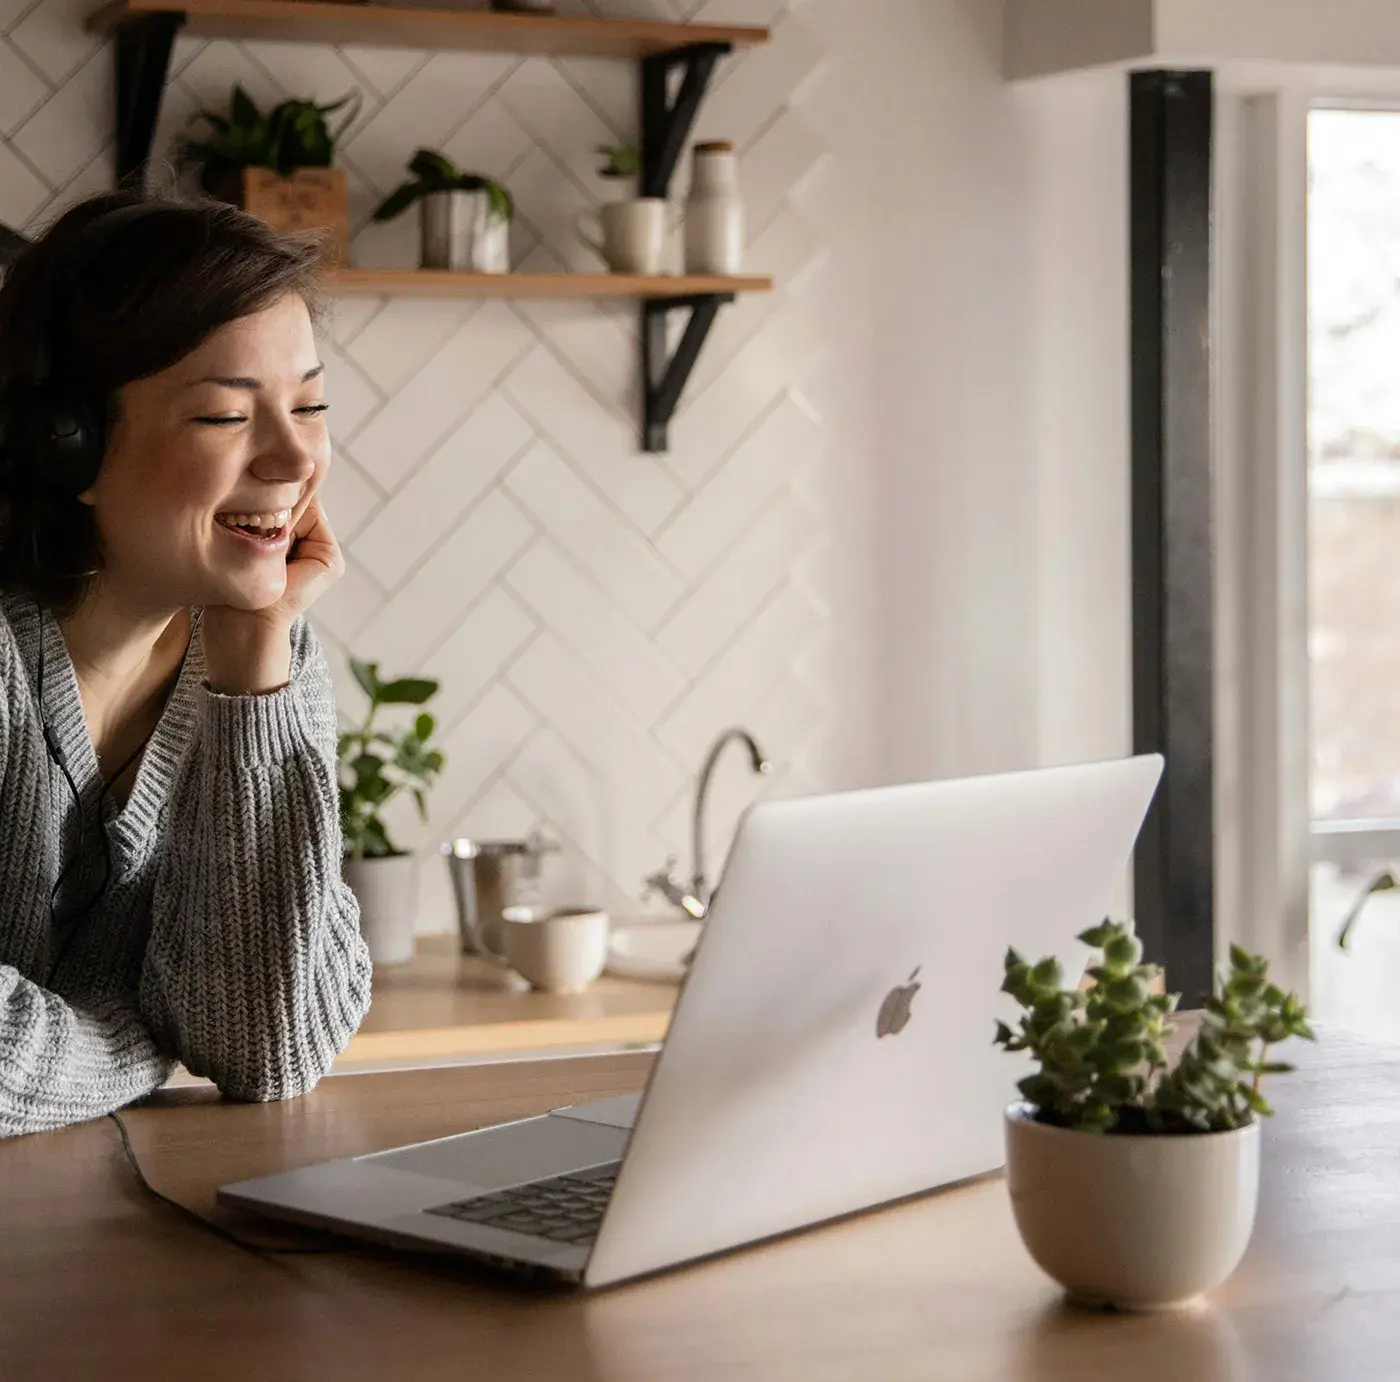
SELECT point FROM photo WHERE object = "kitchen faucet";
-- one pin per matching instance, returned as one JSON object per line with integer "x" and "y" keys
{"x": 695, "y": 902}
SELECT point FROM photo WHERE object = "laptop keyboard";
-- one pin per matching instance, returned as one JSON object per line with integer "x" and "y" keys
{"x": 564, "y": 1209}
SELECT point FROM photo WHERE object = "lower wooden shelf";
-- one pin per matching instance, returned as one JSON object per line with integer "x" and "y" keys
{"x": 445, "y": 1005}
{"x": 447, "y": 283}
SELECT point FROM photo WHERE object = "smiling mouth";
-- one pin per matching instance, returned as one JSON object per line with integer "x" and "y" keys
{"x": 265, "y": 528}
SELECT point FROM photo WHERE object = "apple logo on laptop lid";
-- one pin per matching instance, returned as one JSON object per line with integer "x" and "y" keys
{"x": 894, "y": 1011}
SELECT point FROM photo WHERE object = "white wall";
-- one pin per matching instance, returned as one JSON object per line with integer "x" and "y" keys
{"x": 1363, "y": 32}
{"x": 1049, "y": 36}
{"x": 1045, "y": 36}
{"x": 993, "y": 240}
{"x": 891, "y": 534}
{"x": 1080, "y": 431}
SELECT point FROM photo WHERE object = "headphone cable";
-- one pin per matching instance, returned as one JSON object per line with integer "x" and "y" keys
{"x": 218, "y": 1230}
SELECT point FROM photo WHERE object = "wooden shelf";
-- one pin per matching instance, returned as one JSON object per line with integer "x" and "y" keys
{"x": 403, "y": 26}
{"x": 440, "y": 283}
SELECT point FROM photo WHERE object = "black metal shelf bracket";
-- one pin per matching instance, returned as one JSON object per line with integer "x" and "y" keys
{"x": 662, "y": 379}
{"x": 666, "y": 123}
{"x": 143, "y": 64}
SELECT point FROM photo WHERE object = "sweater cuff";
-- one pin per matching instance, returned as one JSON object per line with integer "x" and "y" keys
{"x": 265, "y": 729}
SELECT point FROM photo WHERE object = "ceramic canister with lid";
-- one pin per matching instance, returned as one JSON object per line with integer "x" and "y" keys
{"x": 714, "y": 212}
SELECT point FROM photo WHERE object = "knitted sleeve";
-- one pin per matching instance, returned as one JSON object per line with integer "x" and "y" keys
{"x": 59, "y": 1063}
{"x": 255, "y": 972}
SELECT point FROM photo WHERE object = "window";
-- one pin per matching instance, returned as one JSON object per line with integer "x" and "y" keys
{"x": 1354, "y": 560}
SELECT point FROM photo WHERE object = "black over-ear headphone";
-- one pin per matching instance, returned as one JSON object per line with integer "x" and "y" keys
{"x": 65, "y": 428}
{"x": 62, "y": 424}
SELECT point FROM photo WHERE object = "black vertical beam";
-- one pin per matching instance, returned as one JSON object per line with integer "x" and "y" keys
{"x": 1170, "y": 254}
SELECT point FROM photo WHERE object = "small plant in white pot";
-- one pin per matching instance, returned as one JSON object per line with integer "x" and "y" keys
{"x": 1134, "y": 1182}
{"x": 463, "y": 218}
{"x": 377, "y": 764}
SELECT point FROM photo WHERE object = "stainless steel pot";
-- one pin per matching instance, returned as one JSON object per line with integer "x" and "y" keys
{"x": 487, "y": 877}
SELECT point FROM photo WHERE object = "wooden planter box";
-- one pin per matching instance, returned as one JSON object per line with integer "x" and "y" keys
{"x": 311, "y": 199}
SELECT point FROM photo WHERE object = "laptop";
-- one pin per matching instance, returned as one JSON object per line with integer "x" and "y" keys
{"x": 831, "y": 1048}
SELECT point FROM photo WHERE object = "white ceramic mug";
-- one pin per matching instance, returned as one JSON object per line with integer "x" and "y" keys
{"x": 633, "y": 234}
{"x": 560, "y": 950}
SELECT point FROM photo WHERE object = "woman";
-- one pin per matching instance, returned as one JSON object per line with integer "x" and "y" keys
{"x": 169, "y": 837}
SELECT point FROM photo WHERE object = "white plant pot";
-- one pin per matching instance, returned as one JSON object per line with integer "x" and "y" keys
{"x": 387, "y": 891}
{"x": 1135, "y": 1222}
{"x": 459, "y": 231}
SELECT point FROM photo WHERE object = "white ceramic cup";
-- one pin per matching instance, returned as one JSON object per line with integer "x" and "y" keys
{"x": 560, "y": 950}
{"x": 633, "y": 234}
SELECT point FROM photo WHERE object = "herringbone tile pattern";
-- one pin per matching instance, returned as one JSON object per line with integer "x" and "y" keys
{"x": 595, "y": 615}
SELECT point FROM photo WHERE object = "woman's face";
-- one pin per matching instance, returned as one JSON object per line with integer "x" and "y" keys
{"x": 210, "y": 464}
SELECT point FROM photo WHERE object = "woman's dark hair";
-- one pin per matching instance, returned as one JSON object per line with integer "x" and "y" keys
{"x": 90, "y": 311}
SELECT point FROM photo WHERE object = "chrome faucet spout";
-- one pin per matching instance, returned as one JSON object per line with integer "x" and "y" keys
{"x": 699, "y": 884}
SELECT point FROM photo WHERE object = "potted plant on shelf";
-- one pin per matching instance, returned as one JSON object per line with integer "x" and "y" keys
{"x": 1134, "y": 1182}
{"x": 623, "y": 165}
{"x": 627, "y": 234}
{"x": 377, "y": 764}
{"x": 464, "y": 218}
{"x": 276, "y": 166}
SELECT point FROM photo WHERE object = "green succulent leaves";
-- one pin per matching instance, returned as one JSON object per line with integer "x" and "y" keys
{"x": 435, "y": 172}
{"x": 623, "y": 160}
{"x": 1101, "y": 1050}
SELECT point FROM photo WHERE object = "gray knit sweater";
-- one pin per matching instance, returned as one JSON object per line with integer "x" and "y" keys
{"x": 225, "y": 938}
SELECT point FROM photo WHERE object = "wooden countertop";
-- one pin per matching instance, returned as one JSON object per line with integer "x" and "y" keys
{"x": 97, "y": 1281}
{"x": 444, "y": 1004}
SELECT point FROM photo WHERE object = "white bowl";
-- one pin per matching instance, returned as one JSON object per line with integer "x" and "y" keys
{"x": 654, "y": 951}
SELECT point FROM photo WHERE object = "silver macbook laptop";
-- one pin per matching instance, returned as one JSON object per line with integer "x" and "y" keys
{"x": 831, "y": 1049}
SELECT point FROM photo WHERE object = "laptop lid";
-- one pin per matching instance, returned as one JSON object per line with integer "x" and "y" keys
{"x": 832, "y": 1048}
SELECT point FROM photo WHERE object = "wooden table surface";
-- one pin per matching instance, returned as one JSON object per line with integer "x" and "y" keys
{"x": 444, "y": 1004}
{"x": 98, "y": 1282}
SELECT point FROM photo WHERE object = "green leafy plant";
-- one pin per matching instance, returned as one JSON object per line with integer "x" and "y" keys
{"x": 292, "y": 135}
{"x": 377, "y": 764}
{"x": 624, "y": 160}
{"x": 435, "y": 172}
{"x": 1101, "y": 1049}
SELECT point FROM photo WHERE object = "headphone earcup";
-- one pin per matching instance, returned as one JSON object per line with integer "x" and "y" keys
{"x": 71, "y": 431}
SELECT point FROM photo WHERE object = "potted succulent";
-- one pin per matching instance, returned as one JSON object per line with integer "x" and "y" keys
{"x": 628, "y": 233}
{"x": 376, "y": 764}
{"x": 623, "y": 164}
{"x": 464, "y": 218}
{"x": 276, "y": 166}
{"x": 1134, "y": 1181}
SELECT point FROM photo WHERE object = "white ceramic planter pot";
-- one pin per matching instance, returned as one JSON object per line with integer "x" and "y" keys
{"x": 387, "y": 891}
{"x": 459, "y": 231}
{"x": 1136, "y": 1222}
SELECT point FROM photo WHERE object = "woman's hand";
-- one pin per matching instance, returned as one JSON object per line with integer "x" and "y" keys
{"x": 249, "y": 651}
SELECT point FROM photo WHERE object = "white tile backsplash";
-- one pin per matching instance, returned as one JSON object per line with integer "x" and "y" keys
{"x": 642, "y": 582}
{"x": 431, "y": 501}
{"x": 21, "y": 88}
